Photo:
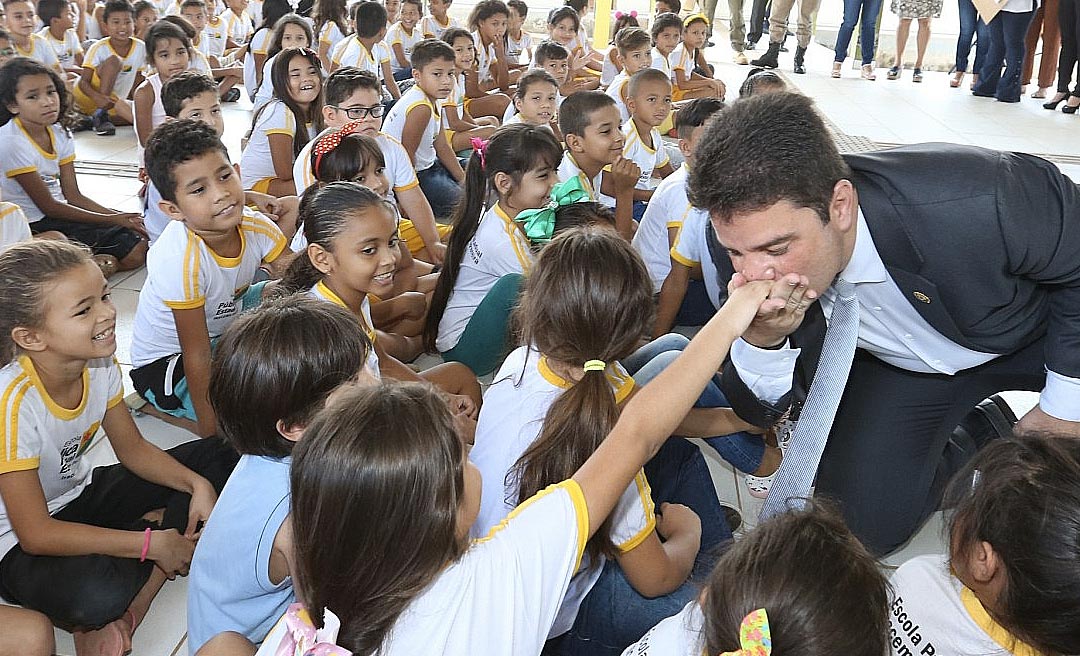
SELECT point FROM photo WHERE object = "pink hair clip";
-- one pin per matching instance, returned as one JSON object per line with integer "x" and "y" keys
{"x": 480, "y": 146}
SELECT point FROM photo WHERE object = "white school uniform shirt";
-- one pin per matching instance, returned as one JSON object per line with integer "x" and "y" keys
{"x": 499, "y": 247}
{"x": 266, "y": 90}
{"x": 260, "y": 42}
{"x": 65, "y": 49}
{"x": 354, "y": 53}
{"x": 39, "y": 50}
{"x": 23, "y": 155}
{"x": 608, "y": 71}
{"x": 484, "y": 58}
{"x": 648, "y": 158}
{"x": 14, "y": 228}
{"x": 39, "y": 434}
{"x": 679, "y": 635}
{"x": 214, "y": 38}
{"x": 330, "y": 35}
{"x": 182, "y": 273}
{"x": 501, "y": 596}
{"x": 256, "y": 163}
{"x": 660, "y": 62}
{"x": 239, "y": 28}
{"x": 615, "y": 89}
{"x": 667, "y": 209}
{"x": 324, "y": 293}
{"x": 690, "y": 249}
{"x": 933, "y": 613}
{"x": 399, "y": 171}
{"x": 129, "y": 65}
{"x": 518, "y": 51}
{"x": 431, "y": 28}
{"x": 397, "y": 34}
{"x": 680, "y": 60}
{"x": 515, "y": 406}
{"x": 455, "y": 99}
{"x": 395, "y": 123}
{"x": 568, "y": 168}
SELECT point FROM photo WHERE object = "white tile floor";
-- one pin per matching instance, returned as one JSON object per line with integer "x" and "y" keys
{"x": 889, "y": 112}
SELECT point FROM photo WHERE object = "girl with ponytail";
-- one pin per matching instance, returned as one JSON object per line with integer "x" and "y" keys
{"x": 489, "y": 252}
{"x": 582, "y": 315}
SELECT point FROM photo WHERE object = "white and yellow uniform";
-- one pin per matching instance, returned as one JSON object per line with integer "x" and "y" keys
{"x": 667, "y": 209}
{"x": 14, "y": 227}
{"x": 330, "y": 35}
{"x": 691, "y": 250}
{"x": 680, "y": 60}
{"x": 648, "y": 158}
{"x": 502, "y": 595}
{"x": 39, "y": 50}
{"x": 485, "y": 56}
{"x": 678, "y": 635}
{"x": 183, "y": 273}
{"x": 239, "y": 28}
{"x": 568, "y": 168}
{"x": 399, "y": 172}
{"x": 395, "y": 123}
{"x": 23, "y": 155}
{"x": 215, "y": 37}
{"x": 324, "y": 293}
{"x": 519, "y": 51}
{"x": 130, "y": 66}
{"x": 616, "y": 89}
{"x": 40, "y": 434}
{"x": 353, "y": 53}
{"x": 662, "y": 62}
{"x": 260, "y": 43}
{"x": 431, "y": 28}
{"x": 65, "y": 49}
{"x": 499, "y": 247}
{"x": 397, "y": 35}
{"x": 256, "y": 162}
{"x": 515, "y": 406}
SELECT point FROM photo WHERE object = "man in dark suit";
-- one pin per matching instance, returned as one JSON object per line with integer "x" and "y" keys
{"x": 966, "y": 269}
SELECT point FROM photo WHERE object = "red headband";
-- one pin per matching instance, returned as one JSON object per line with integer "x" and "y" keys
{"x": 331, "y": 141}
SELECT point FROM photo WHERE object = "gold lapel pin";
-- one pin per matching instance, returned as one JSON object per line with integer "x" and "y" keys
{"x": 922, "y": 297}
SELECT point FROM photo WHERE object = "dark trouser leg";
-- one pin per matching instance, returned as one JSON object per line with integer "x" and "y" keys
{"x": 883, "y": 459}
{"x": 1069, "y": 22}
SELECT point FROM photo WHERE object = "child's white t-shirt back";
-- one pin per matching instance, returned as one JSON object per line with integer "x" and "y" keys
{"x": 678, "y": 635}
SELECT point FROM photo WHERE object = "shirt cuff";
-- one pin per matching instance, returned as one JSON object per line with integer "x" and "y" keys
{"x": 767, "y": 372}
{"x": 1061, "y": 397}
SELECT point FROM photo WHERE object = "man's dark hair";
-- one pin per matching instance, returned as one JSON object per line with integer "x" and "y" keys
{"x": 431, "y": 50}
{"x": 695, "y": 113}
{"x": 576, "y": 112}
{"x": 171, "y": 144}
{"x": 343, "y": 82}
{"x": 370, "y": 19}
{"x": 183, "y": 87}
{"x": 764, "y": 150}
{"x": 115, "y": 7}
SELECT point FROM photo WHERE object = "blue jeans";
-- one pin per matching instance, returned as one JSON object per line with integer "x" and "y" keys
{"x": 1007, "y": 33}
{"x": 971, "y": 26}
{"x": 441, "y": 189}
{"x": 743, "y": 450}
{"x": 867, "y": 33}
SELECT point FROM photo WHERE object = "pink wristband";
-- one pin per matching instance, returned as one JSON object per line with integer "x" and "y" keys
{"x": 145, "y": 545}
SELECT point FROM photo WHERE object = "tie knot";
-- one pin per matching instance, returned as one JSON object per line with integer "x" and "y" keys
{"x": 844, "y": 289}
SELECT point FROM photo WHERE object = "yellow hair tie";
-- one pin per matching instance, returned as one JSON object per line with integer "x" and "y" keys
{"x": 755, "y": 638}
{"x": 595, "y": 365}
{"x": 693, "y": 17}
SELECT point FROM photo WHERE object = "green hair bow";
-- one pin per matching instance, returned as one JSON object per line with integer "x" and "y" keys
{"x": 539, "y": 224}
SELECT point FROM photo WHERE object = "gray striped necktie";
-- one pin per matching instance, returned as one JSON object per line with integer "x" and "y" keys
{"x": 792, "y": 484}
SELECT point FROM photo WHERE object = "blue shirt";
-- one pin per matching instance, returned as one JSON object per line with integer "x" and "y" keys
{"x": 229, "y": 588}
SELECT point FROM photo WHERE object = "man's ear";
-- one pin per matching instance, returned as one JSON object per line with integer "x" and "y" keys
{"x": 844, "y": 205}
{"x": 686, "y": 149}
{"x": 291, "y": 433}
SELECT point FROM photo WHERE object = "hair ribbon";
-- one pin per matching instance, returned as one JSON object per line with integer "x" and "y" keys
{"x": 303, "y": 639}
{"x": 755, "y": 638}
{"x": 539, "y": 224}
{"x": 594, "y": 365}
{"x": 480, "y": 146}
{"x": 693, "y": 17}
{"x": 329, "y": 142}
{"x": 619, "y": 14}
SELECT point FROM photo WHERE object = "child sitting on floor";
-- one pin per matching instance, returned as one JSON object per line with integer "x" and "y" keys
{"x": 112, "y": 67}
{"x": 649, "y": 103}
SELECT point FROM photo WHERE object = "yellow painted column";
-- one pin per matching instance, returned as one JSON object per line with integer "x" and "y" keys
{"x": 602, "y": 25}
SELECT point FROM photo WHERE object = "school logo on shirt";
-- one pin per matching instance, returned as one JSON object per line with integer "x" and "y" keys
{"x": 73, "y": 450}
{"x": 126, "y": 69}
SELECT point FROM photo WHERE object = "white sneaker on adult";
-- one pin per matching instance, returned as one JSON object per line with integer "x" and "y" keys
{"x": 741, "y": 59}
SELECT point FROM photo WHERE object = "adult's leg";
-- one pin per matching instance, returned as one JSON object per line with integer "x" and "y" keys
{"x": 1051, "y": 38}
{"x": 1069, "y": 22}
{"x": 902, "y": 31}
{"x": 1031, "y": 41}
{"x": 968, "y": 19}
{"x": 737, "y": 32}
{"x": 990, "y": 73}
{"x": 847, "y": 28}
{"x": 883, "y": 461}
{"x": 1014, "y": 27}
{"x": 805, "y": 28}
{"x": 757, "y": 20}
{"x": 778, "y": 18}
{"x": 868, "y": 30}
{"x": 921, "y": 41}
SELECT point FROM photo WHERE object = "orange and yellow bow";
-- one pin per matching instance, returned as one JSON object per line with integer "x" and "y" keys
{"x": 755, "y": 639}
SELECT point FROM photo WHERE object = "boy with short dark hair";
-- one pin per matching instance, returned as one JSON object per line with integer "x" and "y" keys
{"x": 403, "y": 36}
{"x": 518, "y": 42}
{"x": 649, "y": 102}
{"x": 111, "y": 69}
{"x": 635, "y": 51}
{"x": 668, "y": 7}
{"x": 200, "y": 271}
{"x": 433, "y": 25}
{"x": 416, "y": 122}
{"x": 58, "y": 16}
{"x": 365, "y": 48}
{"x": 589, "y": 121}
{"x": 666, "y": 33}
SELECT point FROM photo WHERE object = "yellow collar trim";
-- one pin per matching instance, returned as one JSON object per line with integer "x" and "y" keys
{"x": 329, "y": 295}
{"x": 997, "y": 633}
{"x": 42, "y": 151}
{"x": 621, "y": 384}
{"x": 57, "y": 410}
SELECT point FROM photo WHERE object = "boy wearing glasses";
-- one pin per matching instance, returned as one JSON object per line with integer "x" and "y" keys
{"x": 355, "y": 95}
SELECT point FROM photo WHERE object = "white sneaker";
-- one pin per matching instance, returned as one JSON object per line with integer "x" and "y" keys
{"x": 759, "y": 486}
{"x": 741, "y": 59}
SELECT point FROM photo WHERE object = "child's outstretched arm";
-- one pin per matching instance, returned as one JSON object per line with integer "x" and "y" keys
{"x": 653, "y": 415}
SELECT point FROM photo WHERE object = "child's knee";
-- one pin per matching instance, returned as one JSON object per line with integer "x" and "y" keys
{"x": 26, "y": 632}
{"x": 136, "y": 257}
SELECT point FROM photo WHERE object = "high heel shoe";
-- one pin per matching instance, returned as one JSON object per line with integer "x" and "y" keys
{"x": 1054, "y": 102}
{"x": 957, "y": 78}
{"x": 1070, "y": 109}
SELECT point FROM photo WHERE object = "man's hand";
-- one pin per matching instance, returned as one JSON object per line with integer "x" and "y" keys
{"x": 1037, "y": 421}
{"x": 781, "y": 313}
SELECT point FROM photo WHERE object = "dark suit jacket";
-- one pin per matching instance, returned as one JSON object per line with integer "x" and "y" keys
{"x": 985, "y": 245}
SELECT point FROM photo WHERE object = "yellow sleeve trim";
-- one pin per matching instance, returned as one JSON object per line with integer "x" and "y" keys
{"x": 186, "y": 305}
{"x": 280, "y": 131}
{"x": 279, "y": 248}
{"x": 23, "y": 464}
{"x": 115, "y": 401}
{"x": 14, "y": 172}
{"x": 67, "y": 160}
{"x": 412, "y": 185}
{"x": 645, "y": 495}
{"x": 685, "y": 261}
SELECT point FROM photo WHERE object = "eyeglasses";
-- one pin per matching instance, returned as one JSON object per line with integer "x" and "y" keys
{"x": 360, "y": 113}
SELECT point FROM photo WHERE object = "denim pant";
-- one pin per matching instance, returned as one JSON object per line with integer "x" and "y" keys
{"x": 441, "y": 189}
{"x": 971, "y": 26}
{"x": 867, "y": 33}
{"x": 1007, "y": 33}
{"x": 743, "y": 450}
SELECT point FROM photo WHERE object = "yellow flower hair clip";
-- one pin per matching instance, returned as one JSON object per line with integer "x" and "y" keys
{"x": 755, "y": 638}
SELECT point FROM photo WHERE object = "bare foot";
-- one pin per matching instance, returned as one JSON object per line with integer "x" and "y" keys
{"x": 113, "y": 639}
{"x": 179, "y": 422}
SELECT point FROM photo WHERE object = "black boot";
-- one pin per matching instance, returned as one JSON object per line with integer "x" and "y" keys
{"x": 800, "y": 54}
{"x": 768, "y": 60}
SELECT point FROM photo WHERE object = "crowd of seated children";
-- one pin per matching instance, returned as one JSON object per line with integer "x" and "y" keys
{"x": 563, "y": 26}
{"x": 467, "y": 97}
{"x": 58, "y": 18}
{"x": 402, "y": 36}
{"x": 649, "y": 103}
{"x": 365, "y": 48}
{"x": 290, "y": 31}
{"x": 437, "y": 20}
{"x": 634, "y": 47}
{"x": 330, "y": 20}
{"x": 488, "y": 24}
{"x": 259, "y": 44}
{"x": 612, "y": 62}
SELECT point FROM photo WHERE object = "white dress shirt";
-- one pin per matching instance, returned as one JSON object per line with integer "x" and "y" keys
{"x": 893, "y": 331}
